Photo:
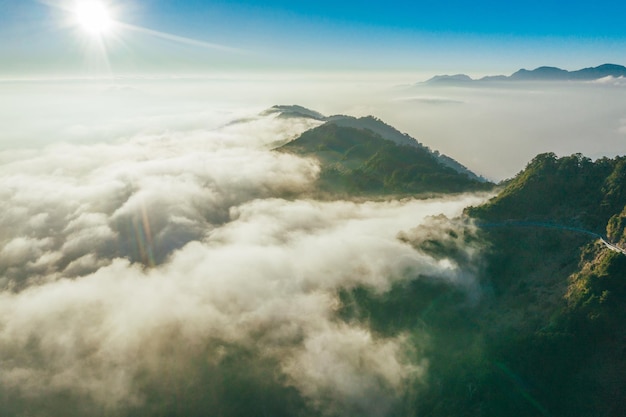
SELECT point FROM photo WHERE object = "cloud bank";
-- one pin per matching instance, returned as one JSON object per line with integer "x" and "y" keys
{"x": 166, "y": 274}
{"x": 492, "y": 129}
{"x": 496, "y": 129}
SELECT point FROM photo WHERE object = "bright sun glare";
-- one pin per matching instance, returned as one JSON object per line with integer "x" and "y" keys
{"x": 94, "y": 17}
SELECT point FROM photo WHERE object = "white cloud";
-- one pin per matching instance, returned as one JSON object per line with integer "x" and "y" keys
{"x": 140, "y": 263}
{"x": 610, "y": 80}
{"x": 345, "y": 369}
{"x": 500, "y": 127}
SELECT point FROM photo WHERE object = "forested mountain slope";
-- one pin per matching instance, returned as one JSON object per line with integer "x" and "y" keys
{"x": 544, "y": 331}
{"x": 359, "y": 161}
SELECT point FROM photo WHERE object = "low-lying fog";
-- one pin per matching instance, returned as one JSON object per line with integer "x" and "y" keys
{"x": 152, "y": 244}
{"x": 494, "y": 129}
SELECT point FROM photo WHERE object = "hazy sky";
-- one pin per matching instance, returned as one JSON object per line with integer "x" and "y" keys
{"x": 494, "y": 130}
{"x": 478, "y": 37}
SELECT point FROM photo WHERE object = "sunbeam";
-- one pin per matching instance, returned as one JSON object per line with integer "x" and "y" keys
{"x": 181, "y": 39}
{"x": 100, "y": 29}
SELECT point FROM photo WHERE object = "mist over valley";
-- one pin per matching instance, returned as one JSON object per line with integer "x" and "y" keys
{"x": 283, "y": 262}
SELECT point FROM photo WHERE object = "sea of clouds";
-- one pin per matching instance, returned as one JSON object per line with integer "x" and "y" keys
{"x": 494, "y": 129}
{"x": 165, "y": 269}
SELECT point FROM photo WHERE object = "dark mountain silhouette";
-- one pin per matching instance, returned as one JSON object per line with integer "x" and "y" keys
{"x": 606, "y": 70}
{"x": 539, "y": 74}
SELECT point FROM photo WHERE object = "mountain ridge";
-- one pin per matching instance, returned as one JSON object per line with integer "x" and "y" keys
{"x": 375, "y": 125}
{"x": 360, "y": 162}
{"x": 543, "y": 73}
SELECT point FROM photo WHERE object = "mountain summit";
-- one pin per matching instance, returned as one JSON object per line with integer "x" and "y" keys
{"x": 293, "y": 111}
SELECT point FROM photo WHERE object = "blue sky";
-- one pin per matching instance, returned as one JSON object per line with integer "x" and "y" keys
{"x": 278, "y": 35}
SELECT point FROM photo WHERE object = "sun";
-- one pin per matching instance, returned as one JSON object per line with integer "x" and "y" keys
{"x": 94, "y": 17}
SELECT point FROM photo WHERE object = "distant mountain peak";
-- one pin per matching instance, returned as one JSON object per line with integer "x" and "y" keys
{"x": 543, "y": 73}
{"x": 609, "y": 67}
{"x": 449, "y": 79}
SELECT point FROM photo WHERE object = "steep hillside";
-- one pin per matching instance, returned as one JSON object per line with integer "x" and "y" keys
{"x": 361, "y": 161}
{"x": 559, "y": 295}
{"x": 571, "y": 190}
{"x": 544, "y": 331}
